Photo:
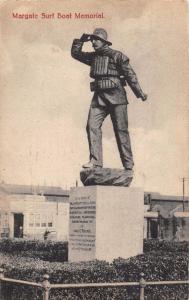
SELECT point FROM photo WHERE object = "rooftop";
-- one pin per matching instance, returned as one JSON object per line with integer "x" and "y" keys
{"x": 33, "y": 190}
{"x": 157, "y": 196}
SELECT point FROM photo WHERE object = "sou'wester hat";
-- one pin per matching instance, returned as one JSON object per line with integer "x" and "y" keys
{"x": 101, "y": 34}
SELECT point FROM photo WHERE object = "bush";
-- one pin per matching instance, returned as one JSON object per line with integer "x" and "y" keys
{"x": 45, "y": 250}
{"x": 155, "y": 266}
{"x": 168, "y": 246}
{"x": 58, "y": 251}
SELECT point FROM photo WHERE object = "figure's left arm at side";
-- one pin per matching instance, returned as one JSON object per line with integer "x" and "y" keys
{"x": 130, "y": 76}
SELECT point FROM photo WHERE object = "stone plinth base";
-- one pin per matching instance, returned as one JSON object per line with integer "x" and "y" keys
{"x": 105, "y": 223}
{"x": 106, "y": 176}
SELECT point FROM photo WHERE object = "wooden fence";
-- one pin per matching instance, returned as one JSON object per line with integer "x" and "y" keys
{"x": 47, "y": 286}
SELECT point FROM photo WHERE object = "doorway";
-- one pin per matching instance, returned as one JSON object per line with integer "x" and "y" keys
{"x": 154, "y": 229}
{"x": 18, "y": 225}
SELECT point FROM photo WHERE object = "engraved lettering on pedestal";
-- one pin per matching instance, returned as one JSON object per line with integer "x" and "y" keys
{"x": 82, "y": 222}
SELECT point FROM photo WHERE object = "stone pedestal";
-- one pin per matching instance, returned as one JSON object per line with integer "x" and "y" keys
{"x": 106, "y": 222}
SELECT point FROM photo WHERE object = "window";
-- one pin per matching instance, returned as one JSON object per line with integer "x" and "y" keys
{"x": 4, "y": 225}
{"x": 37, "y": 220}
{"x": 31, "y": 220}
{"x": 50, "y": 220}
{"x": 41, "y": 220}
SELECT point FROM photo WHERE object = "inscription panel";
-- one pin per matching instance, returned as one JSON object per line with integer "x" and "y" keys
{"x": 82, "y": 231}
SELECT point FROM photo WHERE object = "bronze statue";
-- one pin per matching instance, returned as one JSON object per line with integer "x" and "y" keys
{"x": 111, "y": 72}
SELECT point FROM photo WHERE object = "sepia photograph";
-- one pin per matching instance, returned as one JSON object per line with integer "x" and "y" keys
{"x": 94, "y": 164}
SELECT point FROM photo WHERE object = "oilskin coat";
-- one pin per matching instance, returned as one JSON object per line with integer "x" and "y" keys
{"x": 109, "y": 101}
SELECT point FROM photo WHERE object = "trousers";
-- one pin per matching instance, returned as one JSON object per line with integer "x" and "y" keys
{"x": 119, "y": 117}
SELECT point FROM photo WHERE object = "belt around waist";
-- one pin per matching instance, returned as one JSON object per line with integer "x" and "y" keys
{"x": 116, "y": 79}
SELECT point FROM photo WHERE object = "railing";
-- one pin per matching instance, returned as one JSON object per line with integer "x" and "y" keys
{"x": 46, "y": 286}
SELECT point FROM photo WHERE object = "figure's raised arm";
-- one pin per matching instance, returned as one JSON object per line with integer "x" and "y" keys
{"x": 76, "y": 50}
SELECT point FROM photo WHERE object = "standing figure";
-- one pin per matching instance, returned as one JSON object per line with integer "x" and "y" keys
{"x": 111, "y": 71}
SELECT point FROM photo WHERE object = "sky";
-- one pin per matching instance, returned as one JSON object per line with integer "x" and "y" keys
{"x": 45, "y": 93}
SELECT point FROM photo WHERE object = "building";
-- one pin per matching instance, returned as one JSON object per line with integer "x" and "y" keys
{"x": 43, "y": 213}
{"x": 167, "y": 217}
{"x": 34, "y": 212}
